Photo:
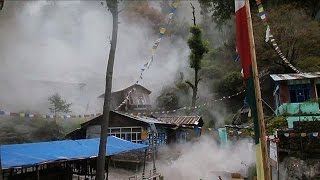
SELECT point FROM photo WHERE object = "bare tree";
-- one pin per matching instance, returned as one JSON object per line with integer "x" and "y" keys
{"x": 113, "y": 7}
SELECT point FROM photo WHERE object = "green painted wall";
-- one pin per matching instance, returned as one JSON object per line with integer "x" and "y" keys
{"x": 305, "y": 108}
{"x": 306, "y": 111}
{"x": 292, "y": 119}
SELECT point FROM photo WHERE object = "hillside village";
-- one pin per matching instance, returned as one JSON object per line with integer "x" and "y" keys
{"x": 160, "y": 90}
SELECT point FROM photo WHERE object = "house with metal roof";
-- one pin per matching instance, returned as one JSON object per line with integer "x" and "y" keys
{"x": 138, "y": 129}
{"x": 296, "y": 96}
{"x": 129, "y": 120}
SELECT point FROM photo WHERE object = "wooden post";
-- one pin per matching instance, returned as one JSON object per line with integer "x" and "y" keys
{"x": 263, "y": 141}
{"x": 38, "y": 173}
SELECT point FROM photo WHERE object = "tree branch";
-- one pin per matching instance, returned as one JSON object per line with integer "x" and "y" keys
{"x": 199, "y": 80}
{"x": 194, "y": 17}
{"x": 190, "y": 84}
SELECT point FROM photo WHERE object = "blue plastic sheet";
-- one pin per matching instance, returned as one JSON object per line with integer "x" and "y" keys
{"x": 17, "y": 155}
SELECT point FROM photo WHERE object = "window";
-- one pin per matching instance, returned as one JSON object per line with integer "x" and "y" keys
{"x": 140, "y": 100}
{"x": 299, "y": 92}
{"x": 159, "y": 139}
{"x": 132, "y": 134}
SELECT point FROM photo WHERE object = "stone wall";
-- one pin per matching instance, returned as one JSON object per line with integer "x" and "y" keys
{"x": 296, "y": 169}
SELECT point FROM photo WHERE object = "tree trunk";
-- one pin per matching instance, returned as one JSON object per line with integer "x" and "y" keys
{"x": 1, "y": 6}
{"x": 107, "y": 99}
{"x": 195, "y": 89}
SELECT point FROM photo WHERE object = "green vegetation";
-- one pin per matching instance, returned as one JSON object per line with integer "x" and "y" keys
{"x": 22, "y": 130}
{"x": 198, "y": 48}
{"x": 220, "y": 74}
{"x": 58, "y": 105}
{"x": 276, "y": 123}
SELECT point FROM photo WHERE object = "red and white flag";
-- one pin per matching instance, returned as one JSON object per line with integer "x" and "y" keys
{"x": 242, "y": 35}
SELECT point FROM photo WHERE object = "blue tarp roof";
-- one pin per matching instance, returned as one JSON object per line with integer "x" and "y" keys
{"x": 17, "y": 155}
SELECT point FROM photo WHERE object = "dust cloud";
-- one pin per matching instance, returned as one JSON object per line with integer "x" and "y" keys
{"x": 202, "y": 159}
{"x": 206, "y": 159}
{"x": 62, "y": 46}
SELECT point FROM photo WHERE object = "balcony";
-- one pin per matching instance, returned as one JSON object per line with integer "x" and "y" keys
{"x": 299, "y": 109}
{"x": 305, "y": 111}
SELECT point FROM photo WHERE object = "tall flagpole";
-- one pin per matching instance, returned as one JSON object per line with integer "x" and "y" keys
{"x": 263, "y": 141}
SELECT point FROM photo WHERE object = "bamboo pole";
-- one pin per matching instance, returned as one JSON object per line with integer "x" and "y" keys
{"x": 263, "y": 141}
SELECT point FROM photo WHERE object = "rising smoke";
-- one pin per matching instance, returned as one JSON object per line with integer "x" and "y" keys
{"x": 62, "y": 46}
{"x": 204, "y": 159}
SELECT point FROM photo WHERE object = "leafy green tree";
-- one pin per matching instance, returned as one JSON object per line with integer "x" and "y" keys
{"x": 223, "y": 10}
{"x": 174, "y": 97}
{"x": 168, "y": 99}
{"x": 198, "y": 48}
{"x": 58, "y": 105}
{"x": 309, "y": 64}
{"x": 296, "y": 43}
{"x": 231, "y": 83}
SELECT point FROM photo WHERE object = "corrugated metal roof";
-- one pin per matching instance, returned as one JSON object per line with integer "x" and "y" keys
{"x": 181, "y": 120}
{"x": 144, "y": 119}
{"x": 285, "y": 77}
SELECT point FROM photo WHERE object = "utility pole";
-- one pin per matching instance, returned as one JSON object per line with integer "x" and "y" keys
{"x": 263, "y": 141}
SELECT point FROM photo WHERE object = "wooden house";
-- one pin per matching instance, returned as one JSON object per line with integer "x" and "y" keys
{"x": 296, "y": 88}
{"x": 296, "y": 96}
{"x": 122, "y": 125}
{"x": 138, "y": 99}
{"x": 138, "y": 129}
{"x": 127, "y": 123}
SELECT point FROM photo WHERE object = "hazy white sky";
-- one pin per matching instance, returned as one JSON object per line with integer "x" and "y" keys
{"x": 68, "y": 42}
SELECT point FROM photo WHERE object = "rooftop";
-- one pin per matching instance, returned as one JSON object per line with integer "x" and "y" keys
{"x": 128, "y": 89}
{"x": 295, "y": 76}
{"x": 182, "y": 120}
